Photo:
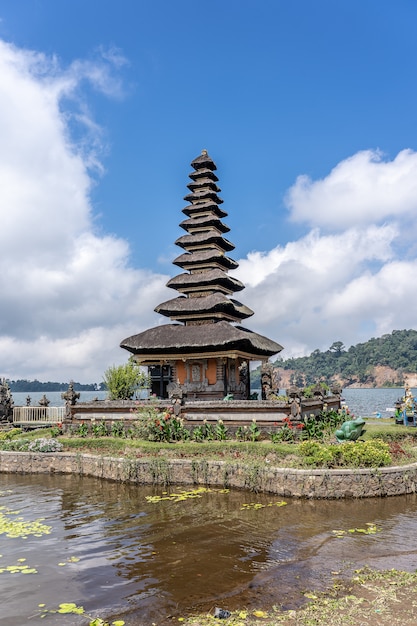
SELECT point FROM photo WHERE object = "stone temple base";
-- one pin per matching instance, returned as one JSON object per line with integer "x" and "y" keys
{"x": 234, "y": 413}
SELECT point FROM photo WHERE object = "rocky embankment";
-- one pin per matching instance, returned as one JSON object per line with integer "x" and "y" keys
{"x": 379, "y": 376}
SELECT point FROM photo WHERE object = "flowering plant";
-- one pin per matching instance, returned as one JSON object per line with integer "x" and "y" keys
{"x": 45, "y": 445}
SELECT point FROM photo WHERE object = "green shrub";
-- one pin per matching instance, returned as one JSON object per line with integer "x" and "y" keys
{"x": 118, "y": 429}
{"x": 288, "y": 431}
{"x": 6, "y": 435}
{"x": 15, "y": 445}
{"x": 205, "y": 432}
{"x": 373, "y": 453}
{"x": 316, "y": 454}
{"x": 99, "y": 429}
{"x": 123, "y": 381}
{"x": 249, "y": 433}
{"x": 155, "y": 424}
{"x": 56, "y": 430}
{"x": 81, "y": 430}
{"x": 221, "y": 431}
{"x": 308, "y": 392}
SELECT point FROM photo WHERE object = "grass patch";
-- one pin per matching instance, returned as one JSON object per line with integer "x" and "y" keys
{"x": 370, "y": 598}
{"x": 402, "y": 443}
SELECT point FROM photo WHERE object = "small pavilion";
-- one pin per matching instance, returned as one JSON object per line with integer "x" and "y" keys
{"x": 204, "y": 353}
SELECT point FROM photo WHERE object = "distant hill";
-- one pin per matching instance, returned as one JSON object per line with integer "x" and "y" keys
{"x": 24, "y": 386}
{"x": 387, "y": 361}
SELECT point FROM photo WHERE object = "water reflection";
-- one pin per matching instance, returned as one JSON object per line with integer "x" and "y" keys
{"x": 144, "y": 561}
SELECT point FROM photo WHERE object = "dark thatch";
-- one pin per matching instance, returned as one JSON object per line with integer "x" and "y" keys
{"x": 203, "y": 162}
{"x": 208, "y": 237}
{"x": 188, "y": 260}
{"x": 222, "y": 336}
{"x": 204, "y": 221}
{"x": 203, "y": 173}
{"x": 204, "y": 207}
{"x": 210, "y": 278}
{"x": 215, "y": 303}
{"x": 203, "y": 194}
{"x": 203, "y": 182}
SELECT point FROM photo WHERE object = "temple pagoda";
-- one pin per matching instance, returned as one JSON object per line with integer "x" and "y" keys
{"x": 204, "y": 354}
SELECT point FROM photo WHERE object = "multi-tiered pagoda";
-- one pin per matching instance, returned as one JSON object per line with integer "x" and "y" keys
{"x": 204, "y": 353}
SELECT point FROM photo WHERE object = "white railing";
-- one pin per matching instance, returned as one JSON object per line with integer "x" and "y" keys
{"x": 38, "y": 414}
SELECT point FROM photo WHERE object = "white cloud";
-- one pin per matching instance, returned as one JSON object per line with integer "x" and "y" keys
{"x": 360, "y": 190}
{"x": 68, "y": 297}
{"x": 349, "y": 284}
{"x": 323, "y": 288}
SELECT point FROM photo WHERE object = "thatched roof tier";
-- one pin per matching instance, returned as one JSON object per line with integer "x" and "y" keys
{"x": 203, "y": 162}
{"x": 203, "y": 182}
{"x": 186, "y": 283}
{"x": 214, "y": 305}
{"x": 203, "y": 194}
{"x": 203, "y": 173}
{"x": 209, "y": 259}
{"x": 219, "y": 339}
{"x": 208, "y": 207}
{"x": 205, "y": 239}
{"x": 201, "y": 223}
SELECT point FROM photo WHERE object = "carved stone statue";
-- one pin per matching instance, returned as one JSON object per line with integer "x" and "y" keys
{"x": 336, "y": 389}
{"x": 176, "y": 394}
{"x": 6, "y": 401}
{"x": 269, "y": 381}
{"x": 350, "y": 430}
{"x": 44, "y": 401}
{"x": 70, "y": 396}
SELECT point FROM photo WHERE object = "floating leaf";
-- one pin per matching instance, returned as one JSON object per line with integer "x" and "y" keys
{"x": 18, "y": 528}
{"x": 183, "y": 495}
{"x": 257, "y": 505}
{"x": 18, "y": 569}
{"x": 260, "y": 614}
{"x": 371, "y": 530}
{"x": 70, "y": 607}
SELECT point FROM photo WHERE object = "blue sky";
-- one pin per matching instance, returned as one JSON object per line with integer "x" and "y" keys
{"x": 307, "y": 108}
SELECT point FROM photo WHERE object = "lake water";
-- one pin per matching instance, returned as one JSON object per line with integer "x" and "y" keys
{"x": 122, "y": 556}
{"x": 368, "y": 402}
{"x": 54, "y": 397}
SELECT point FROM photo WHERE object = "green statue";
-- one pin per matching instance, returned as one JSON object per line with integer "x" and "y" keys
{"x": 351, "y": 430}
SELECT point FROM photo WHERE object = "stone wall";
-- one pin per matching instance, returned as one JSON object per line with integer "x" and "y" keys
{"x": 387, "y": 481}
{"x": 234, "y": 413}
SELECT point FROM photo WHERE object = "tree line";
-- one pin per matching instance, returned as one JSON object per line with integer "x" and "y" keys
{"x": 23, "y": 385}
{"x": 397, "y": 350}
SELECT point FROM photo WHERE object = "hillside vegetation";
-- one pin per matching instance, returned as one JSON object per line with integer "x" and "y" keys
{"x": 384, "y": 361}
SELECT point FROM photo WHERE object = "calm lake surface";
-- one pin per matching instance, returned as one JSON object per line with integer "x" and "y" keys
{"x": 368, "y": 402}
{"x": 122, "y": 556}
